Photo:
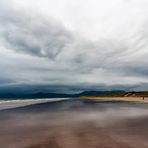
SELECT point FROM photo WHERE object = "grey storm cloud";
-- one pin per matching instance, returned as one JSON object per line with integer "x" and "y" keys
{"x": 38, "y": 49}
{"x": 32, "y": 33}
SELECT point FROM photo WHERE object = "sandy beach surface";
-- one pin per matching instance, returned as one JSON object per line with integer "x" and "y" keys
{"x": 75, "y": 124}
{"x": 128, "y": 99}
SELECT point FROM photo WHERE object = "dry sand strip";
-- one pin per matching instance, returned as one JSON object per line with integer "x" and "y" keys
{"x": 127, "y": 99}
{"x": 19, "y": 103}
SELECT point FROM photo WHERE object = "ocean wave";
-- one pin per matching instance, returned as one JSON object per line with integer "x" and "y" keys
{"x": 33, "y": 100}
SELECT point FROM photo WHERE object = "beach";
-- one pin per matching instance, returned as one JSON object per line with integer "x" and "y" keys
{"x": 126, "y": 99}
{"x": 7, "y": 104}
{"x": 74, "y": 123}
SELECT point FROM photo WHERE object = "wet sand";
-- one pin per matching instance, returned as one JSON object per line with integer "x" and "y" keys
{"x": 75, "y": 124}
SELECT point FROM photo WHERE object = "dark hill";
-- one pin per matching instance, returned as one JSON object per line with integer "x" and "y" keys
{"x": 59, "y": 95}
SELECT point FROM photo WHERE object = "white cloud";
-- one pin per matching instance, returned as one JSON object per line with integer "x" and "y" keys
{"x": 74, "y": 42}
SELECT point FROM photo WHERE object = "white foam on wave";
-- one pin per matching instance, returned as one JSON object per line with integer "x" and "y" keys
{"x": 33, "y": 100}
{"x": 7, "y": 104}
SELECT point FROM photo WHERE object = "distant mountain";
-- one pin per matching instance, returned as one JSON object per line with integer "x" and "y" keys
{"x": 112, "y": 93}
{"x": 34, "y": 95}
{"x": 95, "y": 93}
{"x": 59, "y": 95}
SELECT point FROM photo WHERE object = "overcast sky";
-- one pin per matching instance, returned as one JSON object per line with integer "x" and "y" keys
{"x": 99, "y": 44}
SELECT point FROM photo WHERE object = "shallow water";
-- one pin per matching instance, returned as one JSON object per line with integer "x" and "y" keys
{"x": 75, "y": 124}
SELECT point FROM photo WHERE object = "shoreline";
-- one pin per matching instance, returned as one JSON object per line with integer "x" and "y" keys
{"x": 9, "y": 104}
{"x": 124, "y": 99}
